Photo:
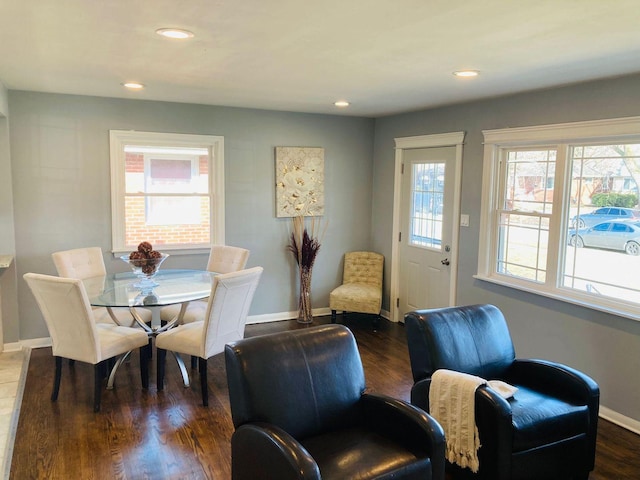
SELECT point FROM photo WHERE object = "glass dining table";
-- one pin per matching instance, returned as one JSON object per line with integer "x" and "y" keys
{"x": 170, "y": 287}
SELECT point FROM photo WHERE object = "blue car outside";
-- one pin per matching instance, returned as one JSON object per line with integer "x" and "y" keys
{"x": 603, "y": 214}
{"x": 621, "y": 235}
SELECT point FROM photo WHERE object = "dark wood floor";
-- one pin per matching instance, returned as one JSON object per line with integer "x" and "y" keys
{"x": 146, "y": 434}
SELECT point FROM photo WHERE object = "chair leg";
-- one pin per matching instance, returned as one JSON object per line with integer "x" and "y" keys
{"x": 103, "y": 368}
{"x": 144, "y": 366}
{"x": 194, "y": 362}
{"x": 56, "y": 380}
{"x": 98, "y": 370}
{"x": 162, "y": 358}
{"x": 203, "y": 381}
{"x": 333, "y": 316}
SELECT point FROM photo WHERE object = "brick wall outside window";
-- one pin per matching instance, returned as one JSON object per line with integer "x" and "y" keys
{"x": 136, "y": 228}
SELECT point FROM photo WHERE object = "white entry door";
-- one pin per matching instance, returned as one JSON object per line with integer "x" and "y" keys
{"x": 426, "y": 220}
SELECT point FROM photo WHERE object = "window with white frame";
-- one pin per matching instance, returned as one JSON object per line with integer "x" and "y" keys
{"x": 166, "y": 179}
{"x": 167, "y": 189}
{"x": 560, "y": 212}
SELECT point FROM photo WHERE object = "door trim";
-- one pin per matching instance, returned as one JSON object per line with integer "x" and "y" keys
{"x": 453, "y": 139}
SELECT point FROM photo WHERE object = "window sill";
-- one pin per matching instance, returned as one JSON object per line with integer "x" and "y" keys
{"x": 170, "y": 251}
{"x": 613, "y": 308}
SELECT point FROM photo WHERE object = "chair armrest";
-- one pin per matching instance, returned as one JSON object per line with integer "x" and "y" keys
{"x": 555, "y": 379}
{"x": 420, "y": 394}
{"x": 494, "y": 421}
{"x": 264, "y": 451}
{"x": 493, "y": 418}
{"x": 562, "y": 382}
{"x": 408, "y": 425}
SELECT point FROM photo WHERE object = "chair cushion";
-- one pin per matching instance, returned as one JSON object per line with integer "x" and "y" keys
{"x": 187, "y": 339}
{"x": 115, "y": 340}
{"x": 195, "y": 311}
{"x": 472, "y": 339}
{"x": 356, "y": 297}
{"x": 363, "y": 267}
{"x": 80, "y": 263}
{"x": 123, "y": 315}
{"x": 305, "y": 382}
{"x": 363, "y": 454}
{"x": 540, "y": 419}
{"x": 226, "y": 258}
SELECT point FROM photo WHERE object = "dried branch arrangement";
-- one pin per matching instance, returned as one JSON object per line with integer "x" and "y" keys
{"x": 305, "y": 245}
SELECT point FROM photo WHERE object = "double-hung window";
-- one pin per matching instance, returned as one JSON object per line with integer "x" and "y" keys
{"x": 560, "y": 213}
{"x": 167, "y": 189}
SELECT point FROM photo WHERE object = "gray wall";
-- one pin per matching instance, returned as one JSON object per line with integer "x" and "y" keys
{"x": 61, "y": 186}
{"x": 8, "y": 280}
{"x": 7, "y": 243}
{"x": 4, "y": 101}
{"x": 604, "y": 346}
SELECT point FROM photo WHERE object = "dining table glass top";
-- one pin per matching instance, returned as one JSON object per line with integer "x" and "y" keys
{"x": 173, "y": 286}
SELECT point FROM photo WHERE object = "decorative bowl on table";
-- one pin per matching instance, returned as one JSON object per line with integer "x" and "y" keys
{"x": 145, "y": 263}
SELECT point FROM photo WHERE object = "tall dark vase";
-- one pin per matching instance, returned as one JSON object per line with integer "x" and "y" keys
{"x": 305, "y": 314}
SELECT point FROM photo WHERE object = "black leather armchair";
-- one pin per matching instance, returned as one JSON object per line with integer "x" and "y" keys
{"x": 300, "y": 412}
{"x": 546, "y": 431}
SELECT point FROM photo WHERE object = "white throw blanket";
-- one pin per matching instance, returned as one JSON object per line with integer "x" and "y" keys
{"x": 452, "y": 404}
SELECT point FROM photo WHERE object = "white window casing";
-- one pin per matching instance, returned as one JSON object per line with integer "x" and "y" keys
{"x": 151, "y": 142}
{"x": 560, "y": 137}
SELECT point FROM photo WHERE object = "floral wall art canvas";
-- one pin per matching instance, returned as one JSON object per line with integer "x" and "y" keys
{"x": 299, "y": 181}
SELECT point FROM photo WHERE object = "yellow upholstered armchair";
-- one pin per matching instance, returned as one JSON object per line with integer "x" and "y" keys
{"x": 361, "y": 289}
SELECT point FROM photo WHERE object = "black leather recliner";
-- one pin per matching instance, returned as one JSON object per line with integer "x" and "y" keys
{"x": 300, "y": 412}
{"x": 546, "y": 431}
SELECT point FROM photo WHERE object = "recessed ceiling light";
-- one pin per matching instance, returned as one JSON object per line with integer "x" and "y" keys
{"x": 178, "y": 33}
{"x": 133, "y": 85}
{"x": 466, "y": 73}
{"x": 341, "y": 103}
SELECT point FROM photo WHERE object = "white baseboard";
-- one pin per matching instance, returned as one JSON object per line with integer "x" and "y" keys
{"x": 625, "y": 422}
{"x": 36, "y": 342}
{"x": 12, "y": 347}
{"x": 278, "y": 317}
{"x": 252, "y": 319}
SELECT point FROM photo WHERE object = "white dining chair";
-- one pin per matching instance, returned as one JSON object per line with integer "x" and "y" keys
{"x": 222, "y": 259}
{"x": 224, "y": 321}
{"x": 88, "y": 264}
{"x": 77, "y": 336}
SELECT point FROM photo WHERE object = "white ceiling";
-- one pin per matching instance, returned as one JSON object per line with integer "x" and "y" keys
{"x": 384, "y": 56}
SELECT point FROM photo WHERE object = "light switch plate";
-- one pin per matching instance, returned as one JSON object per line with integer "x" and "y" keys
{"x": 464, "y": 220}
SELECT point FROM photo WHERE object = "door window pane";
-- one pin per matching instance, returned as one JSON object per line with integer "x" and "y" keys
{"x": 427, "y": 203}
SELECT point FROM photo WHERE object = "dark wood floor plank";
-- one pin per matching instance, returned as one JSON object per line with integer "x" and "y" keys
{"x": 149, "y": 434}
